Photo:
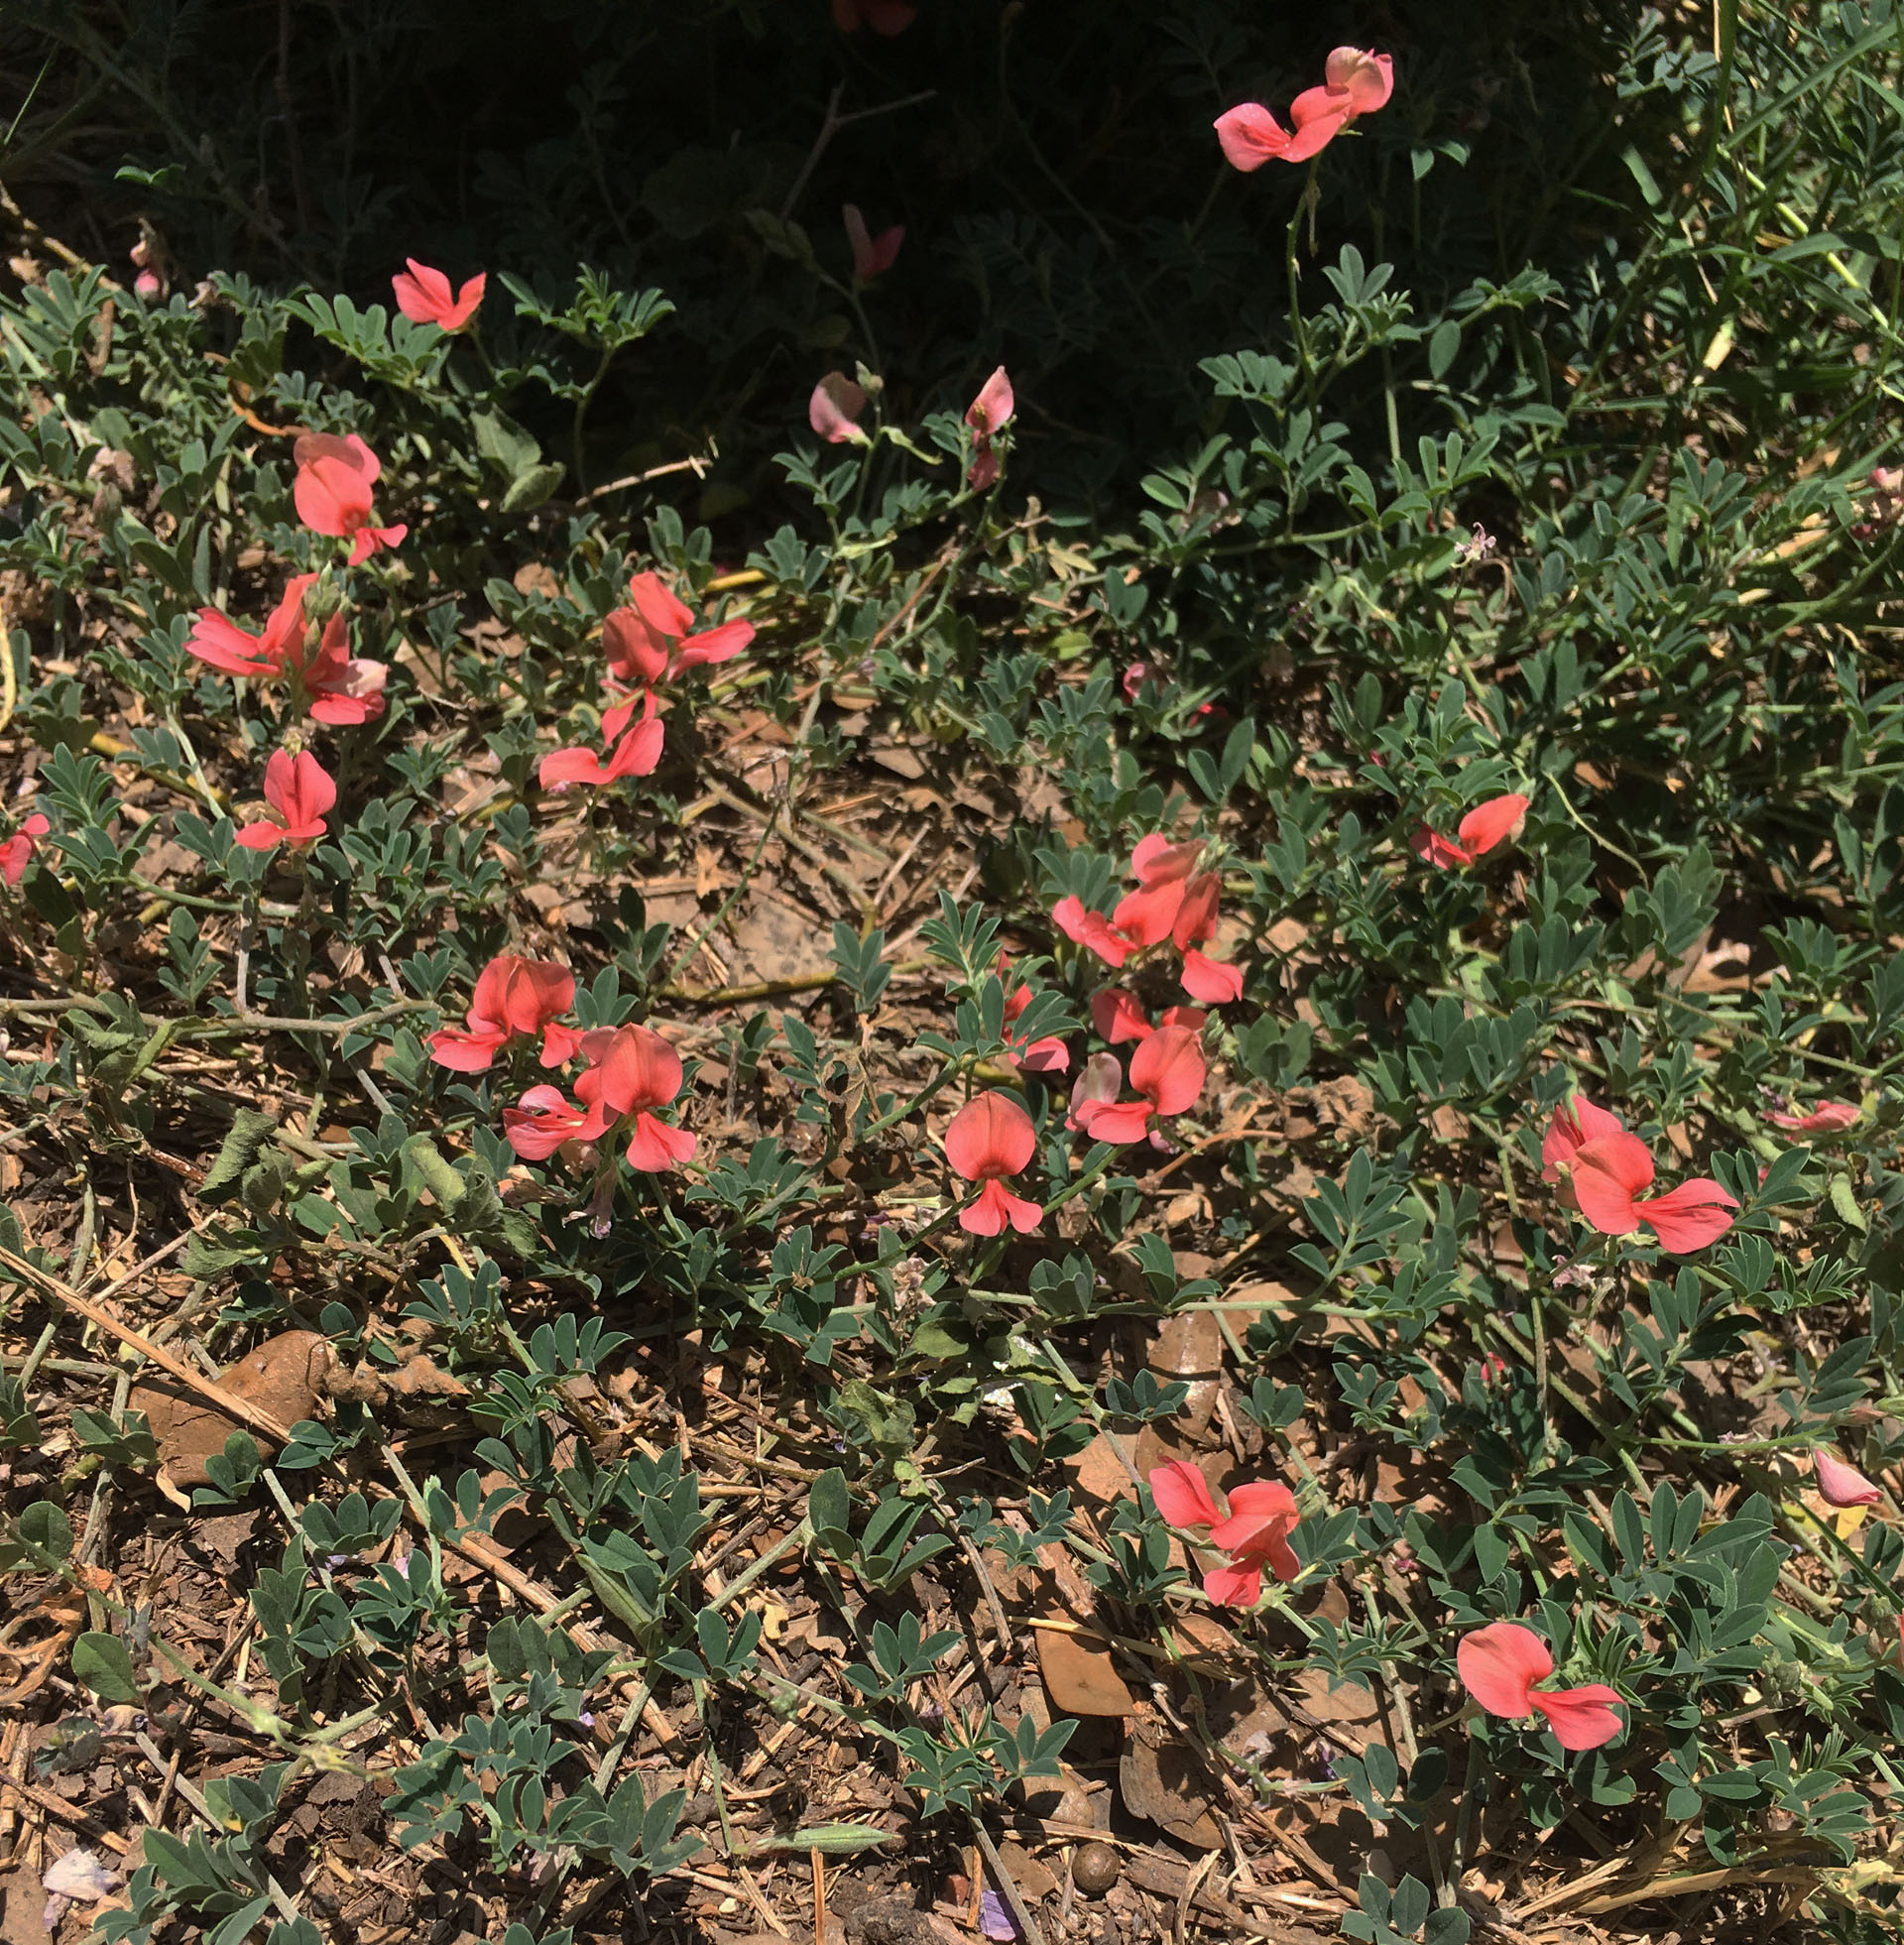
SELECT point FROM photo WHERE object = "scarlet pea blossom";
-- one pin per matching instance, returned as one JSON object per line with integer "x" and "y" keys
{"x": 1484, "y": 826}
{"x": 992, "y": 1136}
{"x": 990, "y": 412}
{"x": 632, "y": 1072}
{"x": 1120, "y": 1015}
{"x": 834, "y": 410}
{"x": 1049, "y": 1056}
{"x": 514, "y": 996}
{"x": 423, "y": 295}
{"x": 653, "y": 639}
{"x": 299, "y": 790}
{"x": 1262, "y": 1515}
{"x": 1167, "y": 1071}
{"x": 1607, "y": 1175}
{"x": 1174, "y": 901}
{"x": 333, "y": 492}
{"x": 17, "y": 852}
{"x": 1839, "y": 1484}
{"x": 1354, "y": 83}
{"x": 633, "y": 748}
{"x": 1575, "y": 1123}
{"x": 871, "y": 254}
{"x": 1500, "y": 1665}
{"x": 1827, "y": 1118}
{"x": 331, "y": 685}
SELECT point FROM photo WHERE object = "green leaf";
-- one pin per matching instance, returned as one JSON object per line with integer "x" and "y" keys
{"x": 103, "y": 1663}
{"x": 531, "y": 487}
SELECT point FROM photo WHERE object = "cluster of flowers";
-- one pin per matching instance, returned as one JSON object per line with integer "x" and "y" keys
{"x": 1499, "y": 1663}
{"x": 1173, "y": 901}
{"x": 649, "y": 642}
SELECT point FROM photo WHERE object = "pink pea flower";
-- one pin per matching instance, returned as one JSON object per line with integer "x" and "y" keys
{"x": 17, "y": 852}
{"x": 333, "y": 492}
{"x": 546, "y": 1120}
{"x": 1355, "y": 84}
{"x": 514, "y": 996}
{"x": 633, "y": 748}
{"x": 653, "y": 639}
{"x": 1575, "y": 1123}
{"x": 992, "y": 1136}
{"x": 834, "y": 410}
{"x": 1827, "y": 1118}
{"x": 1607, "y": 1175}
{"x": 1262, "y": 1516}
{"x": 1099, "y": 1083}
{"x": 335, "y": 687}
{"x": 990, "y": 412}
{"x": 632, "y": 1071}
{"x": 299, "y": 790}
{"x": 871, "y": 254}
{"x": 1500, "y": 1665}
{"x": 1478, "y": 833}
{"x": 1839, "y": 1484}
{"x": 887, "y": 17}
{"x": 423, "y": 295}
{"x": 1213, "y": 981}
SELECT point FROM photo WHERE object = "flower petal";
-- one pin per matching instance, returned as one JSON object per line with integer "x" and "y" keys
{"x": 1500, "y": 1663}
{"x": 1581, "y": 1718}
{"x": 1182, "y": 1494}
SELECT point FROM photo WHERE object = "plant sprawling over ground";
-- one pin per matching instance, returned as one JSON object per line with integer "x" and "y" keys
{"x": 1019, "y": 1073}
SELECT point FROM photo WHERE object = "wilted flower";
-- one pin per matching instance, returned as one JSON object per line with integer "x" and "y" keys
{"x": 871, "y": 254}
{"x": 1827, "y": 1118}
{"x": 1355, "y": 84}
{"x": 299, "y": 790}
{"x": 1839, "y": 1484}
{"x": 989, "y": 1138}
{"x": 834, "y": 410}
{"x": 423, "y": 295}
{"x": 988, "y": 415}
{"x": 1167, "y": 1071}
{"x": 333, "y": 492}
{"x": 1500, "y": 1663}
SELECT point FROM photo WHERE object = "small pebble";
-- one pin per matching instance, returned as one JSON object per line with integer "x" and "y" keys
{"x": 1095, "y": 1869}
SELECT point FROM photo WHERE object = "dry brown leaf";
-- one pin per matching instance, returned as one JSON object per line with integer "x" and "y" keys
{"x": 283, "y": 1377}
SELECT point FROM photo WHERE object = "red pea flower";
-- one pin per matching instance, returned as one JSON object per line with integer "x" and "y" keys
{"x": 634, "y": 749}
{"x": 1099, "y": 1083}
{"x": 423, "y": 295}
{"x": 1500, "y": 1665}
{"x": 632, "y": 1071}
{"x": 871, "y": 254}
{"x": 1827, "y": 1118}
{"x": 1049, "y": 1056}
{"x": 1255, "y": 1535}
{"x": 989, "y": 1138}
{"x": 1120, "y": 1015}
{"x": 335, "y": 687}
{"x": 653, "y": 639}
{"x": 1091, "y": 929}
{"x": 1212, "y": 981}
{"x": 1355, "y": 84}
{"x": 513, "y": 995}
{"x": 1575, "y": 1123}
{"x": 1606, "y": 1175}
{"x": 834, "y": 410}
{"x": 1839, "y": 1484}
{"x": 990, "y": 412}
{"x": 17, "y": 852}
{"x": 1484, "y": 826}
{"x": 299, "y": 790}
{"x": 333, "y": 492}
{"x": 888, "y": 17}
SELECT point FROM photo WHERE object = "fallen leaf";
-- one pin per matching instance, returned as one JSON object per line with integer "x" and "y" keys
{"x": 283, "y": 1377}
{"x": 1081, "y": 1678}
